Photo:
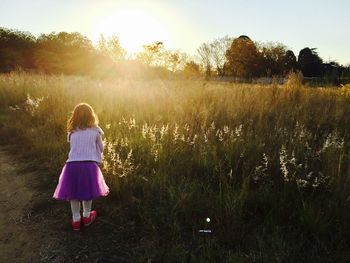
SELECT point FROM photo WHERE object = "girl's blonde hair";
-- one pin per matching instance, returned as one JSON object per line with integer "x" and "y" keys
{"x": 83, "y": 116}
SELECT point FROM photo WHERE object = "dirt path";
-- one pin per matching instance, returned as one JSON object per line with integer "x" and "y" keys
{"x": 18, "y": 243}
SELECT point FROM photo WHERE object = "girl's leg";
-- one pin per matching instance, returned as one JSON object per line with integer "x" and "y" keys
{"x": 75, "y": 206}
{"x": 87, "y": 208}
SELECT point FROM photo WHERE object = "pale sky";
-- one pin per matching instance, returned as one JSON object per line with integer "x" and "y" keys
{"x": 185, "y": 24}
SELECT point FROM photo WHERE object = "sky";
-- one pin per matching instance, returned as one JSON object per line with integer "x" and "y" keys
{"x": 185, "y": 24}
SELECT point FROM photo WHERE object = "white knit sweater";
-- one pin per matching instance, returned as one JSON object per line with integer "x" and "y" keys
{"x": 85, "y": 145}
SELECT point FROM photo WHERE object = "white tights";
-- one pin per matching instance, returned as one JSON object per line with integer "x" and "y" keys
{"x": 75, "y": 206}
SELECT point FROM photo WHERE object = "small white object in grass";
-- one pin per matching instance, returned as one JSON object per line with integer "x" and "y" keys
{"x": 204, "y": 231}
{"x": 208, "y": 219}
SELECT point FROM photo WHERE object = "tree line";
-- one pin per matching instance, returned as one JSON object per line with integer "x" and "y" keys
{"x": 73, "y": 53}
{"x": 243, "y": 58}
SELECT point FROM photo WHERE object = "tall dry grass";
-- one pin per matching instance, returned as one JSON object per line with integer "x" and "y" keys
{"x": 267, "y": 164}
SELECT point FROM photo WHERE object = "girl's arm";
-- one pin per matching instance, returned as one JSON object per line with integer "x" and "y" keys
{"x": 68, "y": 136}
{"x": 99, "y": 142}
{"x": 99, "y": 139}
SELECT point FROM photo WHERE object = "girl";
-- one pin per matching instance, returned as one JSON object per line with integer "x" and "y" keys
{"x": 81, "y": 178}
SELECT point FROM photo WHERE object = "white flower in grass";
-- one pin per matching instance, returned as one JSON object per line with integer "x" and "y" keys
{"x": 176, "y": 132}
{"x": 144, "y": 130}
{"x": 333, "y": 140}
{"x": 152, "y": 135}
{"x": 226, "y": 129}
{"x": 301, "y": 183}
{"x": 238, "y": 130}
{"x": 132, "y": 123}
{"x": 164, "y": 131}
{"x": 205, "y": 137}
{"x": 187, "y": 127}
{"x": 124, "y": 142}
{"x": 316, "y": 183}
{"x": 14, "y": 108}
{"x": 212, "y": 126}
{"x": 219, "y": 135}
{"x": 230, "y": 173}
{"x": 265, "y": 160}
{"x": 32, "y": 104}
{"x": 283, "y": 163}
{"x": 193, "y": 140}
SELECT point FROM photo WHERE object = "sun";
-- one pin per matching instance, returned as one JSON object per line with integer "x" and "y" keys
{"x": 134, "y": 28}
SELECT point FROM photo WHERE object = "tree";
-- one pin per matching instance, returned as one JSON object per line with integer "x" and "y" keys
{"x": 192, "y": 69}
{"x": 218, "y": 50}
{"x": 212, "y": 55}
{"x": 272, "y": 58}
{"x": 345, "y": 75}
{"x": 174, "y": 60}
{"x": 152, "y": 54}
{"x": 102, "y": 45}
{"x": 290, "y": 62}
{"x": 15, "y": 49}
{"x": 111, "y": 48}
{"x": 156, "y": 55}
{"x": 204, "y": 52}
{"x": 243, "y": 58}
{"x": 309, "y": 62}
{"x": 68, "y": 53}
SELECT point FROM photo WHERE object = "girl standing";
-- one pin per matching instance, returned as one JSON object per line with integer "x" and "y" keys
{"x": 81, "y": 179}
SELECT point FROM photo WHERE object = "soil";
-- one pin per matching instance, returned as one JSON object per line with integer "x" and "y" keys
{"x": 17, "y": 240}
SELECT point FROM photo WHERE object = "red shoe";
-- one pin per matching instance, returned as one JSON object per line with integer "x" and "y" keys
{"x": 75, "y": 225}
{"x": 89, "y": 220}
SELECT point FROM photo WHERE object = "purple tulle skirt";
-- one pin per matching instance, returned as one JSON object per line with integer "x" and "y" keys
{"x": 81, "y": 181}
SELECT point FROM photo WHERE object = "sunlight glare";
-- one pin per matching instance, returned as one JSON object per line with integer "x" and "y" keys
{"x": 134, "y": 28}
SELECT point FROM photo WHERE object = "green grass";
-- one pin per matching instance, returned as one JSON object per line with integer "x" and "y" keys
{"x": 267, "y": 164}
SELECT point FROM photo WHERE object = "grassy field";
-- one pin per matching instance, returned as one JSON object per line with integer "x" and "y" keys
{"x": 267, "y": 164}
